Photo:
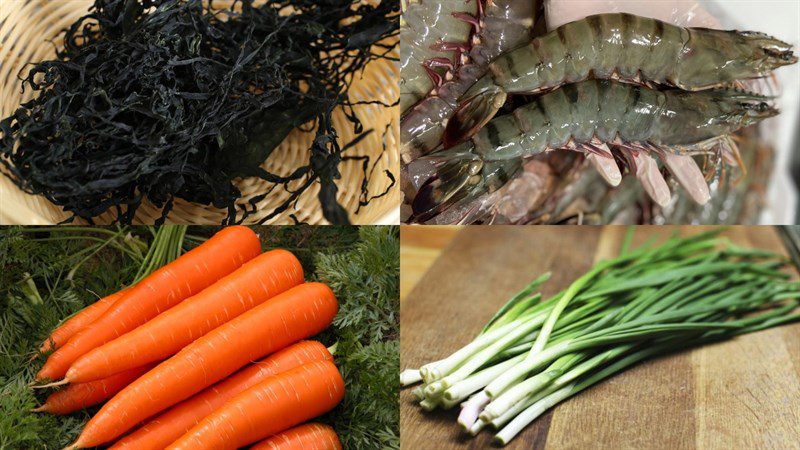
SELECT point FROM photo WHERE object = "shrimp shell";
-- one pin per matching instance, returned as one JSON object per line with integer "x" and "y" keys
{"x": 610, "y": 110}
{"x": 618, "y": 46}
{"x": 583, "y": 113}
{"x": 504, "y": 25}
{"x": 428, "y": 29}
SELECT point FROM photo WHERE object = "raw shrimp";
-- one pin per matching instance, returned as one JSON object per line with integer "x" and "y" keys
{"x": 501, "y": 26}
{"x": 585, "y": 116}
{"x": 620, "y": 46}
{"x": 431, "y": 36}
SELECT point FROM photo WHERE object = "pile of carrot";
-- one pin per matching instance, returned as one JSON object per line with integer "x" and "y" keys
{"x": 172, "y": 356}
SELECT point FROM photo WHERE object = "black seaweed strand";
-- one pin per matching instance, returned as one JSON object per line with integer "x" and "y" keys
{"x": 168, "y": 99}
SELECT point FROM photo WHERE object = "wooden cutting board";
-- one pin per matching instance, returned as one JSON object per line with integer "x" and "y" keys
{"x": 739, "y": 394}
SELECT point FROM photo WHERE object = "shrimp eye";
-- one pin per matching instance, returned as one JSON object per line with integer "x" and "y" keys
{"x": 757, "y": 107}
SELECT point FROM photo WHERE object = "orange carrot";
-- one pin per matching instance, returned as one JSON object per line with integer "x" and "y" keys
{"x": 161, "y": 290}
{"x": 309, "y": 436}
{"x": 256, "y": 281}
{"x": 81, "y": 319}
{"x": 298, "y": 313}
{"x": 83, "y": 395}
{"x": 165, "y": 428}
{"x": 276, "y": 404}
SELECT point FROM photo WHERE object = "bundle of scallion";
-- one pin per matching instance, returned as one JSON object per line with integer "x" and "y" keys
{"x": 536, "y": 353}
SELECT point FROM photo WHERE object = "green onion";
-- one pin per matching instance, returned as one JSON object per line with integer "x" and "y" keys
{"x": 534, "y": 352}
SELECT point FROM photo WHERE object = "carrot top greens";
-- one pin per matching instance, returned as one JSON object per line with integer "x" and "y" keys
{"x": 366, "y": 281}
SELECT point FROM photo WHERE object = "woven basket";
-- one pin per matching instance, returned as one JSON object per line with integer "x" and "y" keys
{"x": 28, "y": 30}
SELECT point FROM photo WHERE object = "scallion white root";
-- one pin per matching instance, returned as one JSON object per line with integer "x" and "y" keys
{"x": 472, "y": 408}
{"x": 409, "y": 377}
{"x": 530, "y": 414}
{"x": 436, "y": 370}
{"x": 478, "y": 380}
{"x": 477, "y": 427}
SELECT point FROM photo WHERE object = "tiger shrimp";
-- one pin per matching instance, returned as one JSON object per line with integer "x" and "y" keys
{"x": 498, "y": 26}
{"x": 431, "y": 37}
{"x": 618, "y": 46}
{"x": 585, "y": 116}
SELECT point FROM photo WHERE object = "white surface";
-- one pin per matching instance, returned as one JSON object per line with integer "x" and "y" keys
{"x": 781, "y": 19}
{"x": 678, "y": 12}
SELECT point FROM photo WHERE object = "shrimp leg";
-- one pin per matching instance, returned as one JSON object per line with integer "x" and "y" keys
{"x": 502, "y": 26}
{"x": 584, "y": 115}
{"x": 428, "y": 32}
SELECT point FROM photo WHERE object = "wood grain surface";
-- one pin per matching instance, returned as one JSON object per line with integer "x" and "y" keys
{"x": 739, "y": 394}
{"x": 419, "y": 248}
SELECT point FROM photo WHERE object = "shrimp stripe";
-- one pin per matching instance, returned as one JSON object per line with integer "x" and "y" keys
{"x": 688, "y": 58}
{"x": 609, "y": 110}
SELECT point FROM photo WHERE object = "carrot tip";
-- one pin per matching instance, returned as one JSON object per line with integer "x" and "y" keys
{"x": 39, "y": 409}
{"x": 54, "y": 384}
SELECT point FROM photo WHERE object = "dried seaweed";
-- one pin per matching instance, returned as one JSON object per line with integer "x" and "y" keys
{"x": 166, "y": 99}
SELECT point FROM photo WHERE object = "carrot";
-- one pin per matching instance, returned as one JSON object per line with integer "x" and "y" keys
{"x": 256, "y": 281}
{"x": 309, "y": 436}
{"x": 161, "y": 431}
{"x": 83, "y": 395}
{"x": 300, "y": 312}
{"x": 81, "y": 319}
{"x": 276, "y": 404}
{"x": 164, "y": 288}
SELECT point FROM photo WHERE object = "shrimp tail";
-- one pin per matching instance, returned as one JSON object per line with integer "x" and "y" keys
{"x": 473, "y": 113}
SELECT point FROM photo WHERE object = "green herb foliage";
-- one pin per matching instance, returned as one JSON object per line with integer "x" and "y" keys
{"x": 366, "y": 281}
{"x": 165, "y": 99}
{"x": 37, "y": 293}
